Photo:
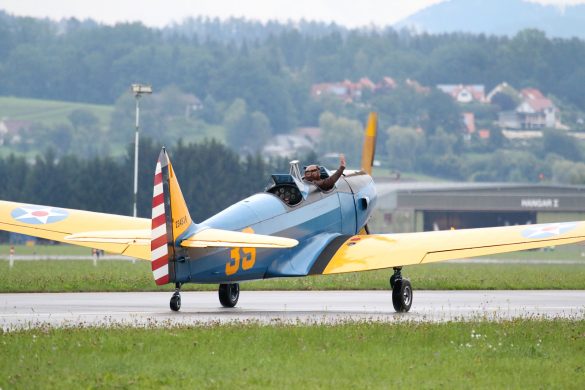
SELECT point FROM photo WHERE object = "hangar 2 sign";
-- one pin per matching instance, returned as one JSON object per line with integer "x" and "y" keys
{"x": 540, "y": 203}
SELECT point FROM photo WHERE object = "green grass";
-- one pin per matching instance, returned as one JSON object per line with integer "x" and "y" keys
{"x": 78, "y": 276}
{"x": 194, "y": 130}
{"x": 41, "y": 250}
{"x": 49, "y": 112}
{"x": 574, "y": 252}
{"x": 516, "y": 354}
{"x": 381, "y": 172}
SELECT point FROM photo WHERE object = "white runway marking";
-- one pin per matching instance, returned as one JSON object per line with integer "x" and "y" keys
{"x": 147, "y": 309}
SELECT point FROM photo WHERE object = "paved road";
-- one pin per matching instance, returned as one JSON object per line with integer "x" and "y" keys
{"x": 151, "y": 309}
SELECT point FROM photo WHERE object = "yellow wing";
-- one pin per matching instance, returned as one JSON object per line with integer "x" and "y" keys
{"x": 126, "y": 235}
{"x": 364, "y": 253}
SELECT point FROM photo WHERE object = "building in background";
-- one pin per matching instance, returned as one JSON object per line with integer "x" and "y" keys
{"x": 412, "y": 207}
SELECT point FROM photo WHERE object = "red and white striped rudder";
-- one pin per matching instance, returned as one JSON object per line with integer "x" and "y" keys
{"x": 158, "y": 244}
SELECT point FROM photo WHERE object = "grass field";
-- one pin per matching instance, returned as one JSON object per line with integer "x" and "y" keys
{"x": 78, "y": 276}
{"x": 49, "y": 112}
{"x": 66, "y": 250}
{"x": 517, "y": 354}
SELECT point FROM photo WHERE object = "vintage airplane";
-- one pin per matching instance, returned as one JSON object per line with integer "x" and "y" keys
{"x": 292, "y": 229}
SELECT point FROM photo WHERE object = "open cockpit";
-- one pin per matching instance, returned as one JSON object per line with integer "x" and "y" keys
{"x": 286, "y": 189}
{"x": 291, "y": 188}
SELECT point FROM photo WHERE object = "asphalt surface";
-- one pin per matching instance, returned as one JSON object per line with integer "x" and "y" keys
{"x": 146, "y": 309}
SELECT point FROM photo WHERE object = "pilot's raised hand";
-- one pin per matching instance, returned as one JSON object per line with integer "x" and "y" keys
{"x": 342, "y": 160}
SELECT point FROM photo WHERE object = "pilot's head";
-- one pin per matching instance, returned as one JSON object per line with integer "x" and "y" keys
{"x": 312, "y": 173}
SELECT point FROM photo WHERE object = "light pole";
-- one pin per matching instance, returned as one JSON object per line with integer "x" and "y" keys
{"x": 138, "y": 90}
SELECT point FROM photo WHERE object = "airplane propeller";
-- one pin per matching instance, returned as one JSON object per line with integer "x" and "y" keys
{"x": 369, "y": 150}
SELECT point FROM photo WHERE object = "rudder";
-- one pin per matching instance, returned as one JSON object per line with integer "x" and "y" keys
{"x": 170, "y": 219}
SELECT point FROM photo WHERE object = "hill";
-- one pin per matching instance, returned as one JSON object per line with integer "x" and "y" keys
{"x": 49, "y": 112}
{"x": 498, "y": 17}
{"x": 33, "y": 125}
{"x": 68, "y": 127}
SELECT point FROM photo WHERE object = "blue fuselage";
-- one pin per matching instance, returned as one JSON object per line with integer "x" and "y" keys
{"x": 314, "y": 223}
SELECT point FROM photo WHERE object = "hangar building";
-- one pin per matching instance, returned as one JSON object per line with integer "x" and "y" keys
{"x": 414, "y": 207}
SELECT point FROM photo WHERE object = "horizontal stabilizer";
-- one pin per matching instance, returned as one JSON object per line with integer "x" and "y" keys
{"x": 228, "y": 238}
{"x": 141, "y": 237}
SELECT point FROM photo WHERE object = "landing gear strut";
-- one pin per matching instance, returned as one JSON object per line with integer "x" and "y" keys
{"x": 176, "y": 298}
{"x": 401, "y": 291}
{"x": 229, "y": 294}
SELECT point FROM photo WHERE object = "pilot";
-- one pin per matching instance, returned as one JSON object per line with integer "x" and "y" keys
{"x": 313, "y": 174}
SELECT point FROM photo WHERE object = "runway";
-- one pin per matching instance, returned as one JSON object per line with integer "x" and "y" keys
{"x": 147, "y": 309}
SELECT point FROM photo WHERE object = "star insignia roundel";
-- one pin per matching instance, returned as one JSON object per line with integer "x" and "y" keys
{"x": 38, "y": 215}
{"x": 550, "y": 230}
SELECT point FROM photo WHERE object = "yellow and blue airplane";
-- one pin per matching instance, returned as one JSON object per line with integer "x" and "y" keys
{"x": 292, "y": 229}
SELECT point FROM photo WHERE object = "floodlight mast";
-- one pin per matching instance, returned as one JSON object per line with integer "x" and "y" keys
{"x": 138, "y": 90}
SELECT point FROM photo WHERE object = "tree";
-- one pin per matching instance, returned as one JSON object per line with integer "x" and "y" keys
{"x": 246, "y": 132}
{"x": 441, "y": 143}
{"x": 236, "y": 121}
{"x": 83, "y": 119}
{"x": 558, "y": 142}
{"x": 210, "y": 112}
{"x": 567, "y": 172}
{"x": 404, "y": 145}
{"x": 441, "y": 112}
{"x": 504, "y": 101}
{"x": 341, "y": 135}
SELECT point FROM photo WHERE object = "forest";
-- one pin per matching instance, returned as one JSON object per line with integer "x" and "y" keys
{"x": 103, "y": 184}
{"x": 246, "y": 81}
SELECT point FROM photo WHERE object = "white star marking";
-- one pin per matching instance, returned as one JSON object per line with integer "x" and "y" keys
{"x": 40, "y": 214}
{"x": 552, "y": 230}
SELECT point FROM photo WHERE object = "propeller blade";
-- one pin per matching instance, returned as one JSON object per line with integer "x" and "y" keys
{"x": 369, "y": 149}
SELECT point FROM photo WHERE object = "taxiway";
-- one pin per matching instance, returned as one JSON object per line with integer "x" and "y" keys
{"x": 148, "y": 309}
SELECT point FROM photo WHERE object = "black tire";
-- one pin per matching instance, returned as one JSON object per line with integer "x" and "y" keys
{"x": 402, "y": 295}
{"x": 175, "y": 302}
{"x": 392, "y": 281}
{"x": 229, "y": 294}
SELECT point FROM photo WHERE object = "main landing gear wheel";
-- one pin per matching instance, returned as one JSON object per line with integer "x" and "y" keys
{"x": 401, "y": 291}
{"x": 229, "y": 294}
{"x": 176, "y": 299}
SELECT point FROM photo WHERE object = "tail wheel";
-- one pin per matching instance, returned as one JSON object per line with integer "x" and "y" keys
{"x": 229, "y": 294}
{"x": 402, "y": 295}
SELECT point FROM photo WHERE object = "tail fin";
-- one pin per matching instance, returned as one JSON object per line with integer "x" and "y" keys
{"x": 170, "y": 219}
{"x": 369, "y": 149}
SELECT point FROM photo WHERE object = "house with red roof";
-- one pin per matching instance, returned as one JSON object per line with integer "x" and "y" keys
{"x": 534, "y": 111}
{"x": 386, "y": 84}
{"x": 464, "y": 93}
{"x": 11, "y": 129}
{"x": 418, "y": 88}
{"x": 349, "y": 91}
{"x": 340, "y": 90}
